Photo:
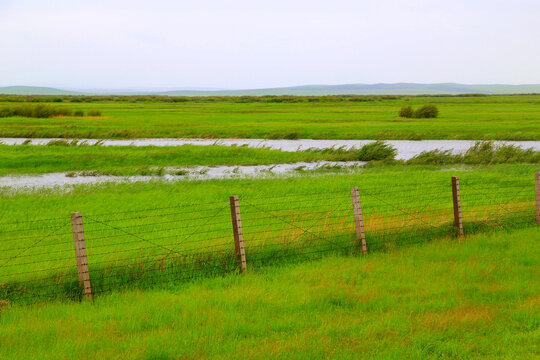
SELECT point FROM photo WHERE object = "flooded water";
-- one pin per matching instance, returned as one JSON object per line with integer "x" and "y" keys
{"x": 192, "y": 173}
{"x": 406, "y": 149}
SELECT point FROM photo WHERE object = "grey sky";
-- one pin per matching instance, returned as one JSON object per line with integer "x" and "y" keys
{"x": 253, "y": 44}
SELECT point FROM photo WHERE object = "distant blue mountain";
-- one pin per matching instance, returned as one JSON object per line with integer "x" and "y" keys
{"x": 35, "y": 90}
{"x": 343, "y": 89}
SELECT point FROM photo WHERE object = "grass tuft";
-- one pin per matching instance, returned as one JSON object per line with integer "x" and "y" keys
{"x": 482, "y": 152}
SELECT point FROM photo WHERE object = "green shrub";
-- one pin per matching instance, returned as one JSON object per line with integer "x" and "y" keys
{"x": 378, "y": 150}
{"x": 6, "y": 112}
{"x": 23, "y": 110}
{"x": 43, "y": 111}
{"x": 78, "y": 113}
{"x": 406, "y": 112}
{"x": 94, "y": 112}
{"x": 64, "y": 111}
{"x": 426, "y": 112}
{"x": 39, "y": 110}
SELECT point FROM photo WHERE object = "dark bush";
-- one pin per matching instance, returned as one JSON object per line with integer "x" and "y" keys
{"x": 94, "y": 112}
{"x": 406, "y": 112}
{"x": 63, "y": 111}
{"x": 78, "y": 113}
{"x": 23, "y": 110}
{"x": 6, "y": 112}
{"x": 426, "y": 112}
{"x": 43, "y": 111}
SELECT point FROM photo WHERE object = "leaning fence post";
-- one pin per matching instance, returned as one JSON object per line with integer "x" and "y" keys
{"x": 238, "y": 233}
{"x": 80, "y": 253}
{"x": 358, "y": 219}
{"x": 458, "y": 221}
{"x": 537, "y": 190}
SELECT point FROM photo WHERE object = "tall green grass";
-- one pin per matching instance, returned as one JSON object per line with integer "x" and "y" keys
{"x": 42, "y": 111}
{"x": 147, "y": 235}
{"x": 73, "y": 156}
{"x": 482, "y": 152}
{"x": 470, "y": 299}
{"x": 64, "y": 156}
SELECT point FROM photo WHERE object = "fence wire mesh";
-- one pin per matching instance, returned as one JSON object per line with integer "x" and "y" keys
{"x": 161, "y": 246}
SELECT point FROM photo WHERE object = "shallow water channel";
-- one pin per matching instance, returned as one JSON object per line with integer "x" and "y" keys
{"x": 406, "y": 149}
{"x": 188, "y": 173}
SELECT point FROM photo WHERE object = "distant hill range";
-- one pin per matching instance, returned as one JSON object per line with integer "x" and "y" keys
{"x": 345, "y": 89}
{"x": 35, "y": 90}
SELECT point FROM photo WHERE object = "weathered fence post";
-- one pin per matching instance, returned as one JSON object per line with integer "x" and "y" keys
{"x": 537, "y": 190}
{"x": 358, "y": 220}
{"x": 80, "y": 253}
{"x": 458, "y": 222}
{"x": 238, "y": 232}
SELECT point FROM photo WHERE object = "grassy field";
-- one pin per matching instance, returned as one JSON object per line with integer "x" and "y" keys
{"x": 129, "y": 160}
{"x": 161, "y": 254}
{"x": 471, "y": 299}
{"x": 483, "y": 117}
{"x": 77, "y": 158}
{"x": 137, "y": 232}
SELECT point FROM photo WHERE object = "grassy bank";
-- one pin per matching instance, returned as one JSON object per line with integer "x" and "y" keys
{"x": 476, "y": 298}
{"x": 477, "y": 118}
{"x": 130, "y": 160}
{"x": 79, "y": 159}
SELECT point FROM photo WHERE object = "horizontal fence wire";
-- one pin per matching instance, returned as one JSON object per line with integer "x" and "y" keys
{"x": 161, "y": 246}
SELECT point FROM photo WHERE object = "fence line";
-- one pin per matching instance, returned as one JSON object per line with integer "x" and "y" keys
{"x": 165, "y": 245}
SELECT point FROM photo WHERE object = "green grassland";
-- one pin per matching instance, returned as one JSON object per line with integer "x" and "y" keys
{"x": 15, "y": 205}
{"x": 472, "y": 299}
{"x": 341, "y": 117}
{"x": 130, "y": 160}
{"x": 79, "y": 159}
{"x": 182, "y": 230}
{"x": 161, "y": 254}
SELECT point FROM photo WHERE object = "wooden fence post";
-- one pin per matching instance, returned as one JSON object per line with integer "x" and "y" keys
{"x": 458, "y": 221}
{"x": 80, "y": 253}
{"x": 358, "y": 220}
{"x": 238, "y": 232}
{"x": 537, "y": 190}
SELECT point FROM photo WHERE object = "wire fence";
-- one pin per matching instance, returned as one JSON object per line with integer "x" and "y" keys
{"x": 142, "y": 249}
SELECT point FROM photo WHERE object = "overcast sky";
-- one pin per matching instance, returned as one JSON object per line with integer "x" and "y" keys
{"x": 254, "y": 44}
